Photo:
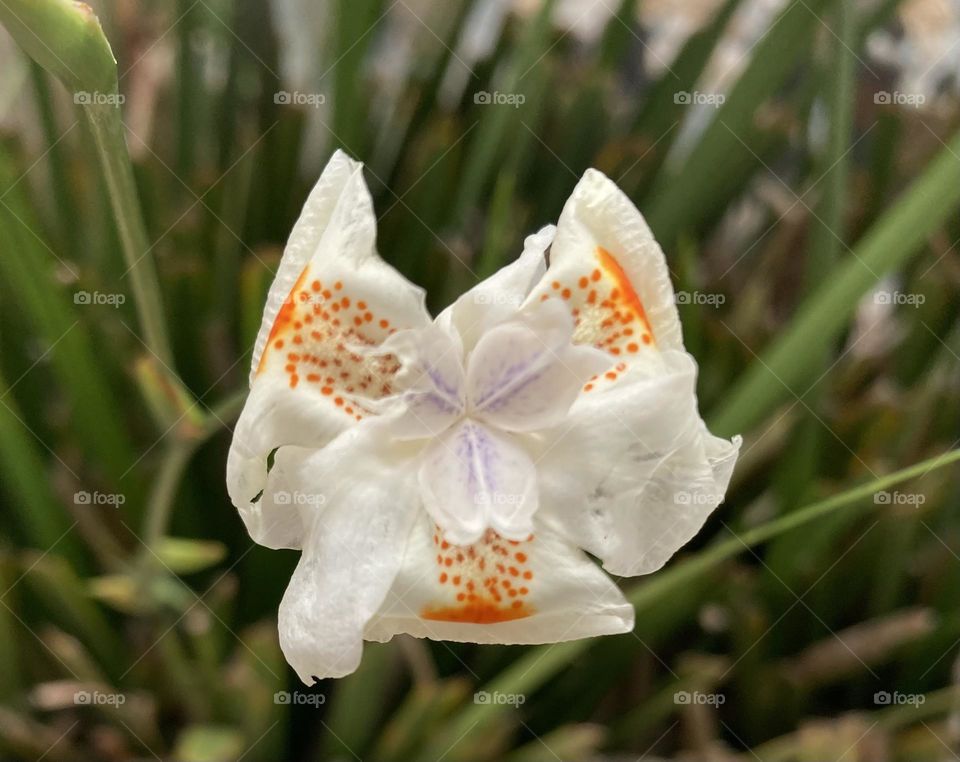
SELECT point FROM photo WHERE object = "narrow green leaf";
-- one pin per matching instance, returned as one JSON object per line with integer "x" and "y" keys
{"x": 791, "y": 361}
{"x": 678, "y": 198}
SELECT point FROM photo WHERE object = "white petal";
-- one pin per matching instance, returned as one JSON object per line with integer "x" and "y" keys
{"x": 543, "y": 590}
{"x": 524, "y": 374}
{"x": 633, "y": 473}
{"x": 473, "y": 478}
{"x": 333, "y": 241}
{"x": 309, "y": 382}
{"x": 606, "y": 267}
{"x": 429, "y": 385}
{"x": 499, "y": 297}
{"x": 274, "y": 416}
{"x": 352, "y": 552}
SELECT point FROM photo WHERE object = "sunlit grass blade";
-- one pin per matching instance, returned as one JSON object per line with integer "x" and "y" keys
{"x": 792, "y": 360}
{"x": 677, "y": 198}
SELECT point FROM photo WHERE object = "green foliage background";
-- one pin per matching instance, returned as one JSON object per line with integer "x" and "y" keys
{"x": 805, "y": 597}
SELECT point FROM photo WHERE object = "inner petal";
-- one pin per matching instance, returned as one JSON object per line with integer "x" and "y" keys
{"x": 525, "y": 374}
{"x": 473, "y": 479}
{"x": 430, "y": 382}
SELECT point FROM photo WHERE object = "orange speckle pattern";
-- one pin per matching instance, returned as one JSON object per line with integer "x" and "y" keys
{"x": 324, "y": 359}
{"x": 481, "y": 583}
{"x": 607, "y": 311}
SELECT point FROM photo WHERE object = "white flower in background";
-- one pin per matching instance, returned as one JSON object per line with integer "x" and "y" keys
{"x": 442, "y": 476}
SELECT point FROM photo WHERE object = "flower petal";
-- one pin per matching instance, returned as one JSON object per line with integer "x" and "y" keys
{"x": 542, "y": 590}
{"x": 473, "y": 478}
{"x": 274, "y": 415}
{"x": 633, "y": 473}
{"x": 332, "y": 295}
{"x": 498, "y": 297}
{"x": 333, "y": 241}
{"x": 610, "y": 272}
{"x": 352, "y": 552}
{"x": 429, "y": 385}
{"x": 524, "y": 374}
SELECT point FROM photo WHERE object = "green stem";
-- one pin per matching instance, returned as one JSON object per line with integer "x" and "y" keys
{"x": 175, "y": 461}
{"x": 107, "y": 129}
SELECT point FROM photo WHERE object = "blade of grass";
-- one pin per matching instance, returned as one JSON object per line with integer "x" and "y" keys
{"x": 26, "y": 484}
{"x": 65, "y": 38}
{"x": 677, "y": 198}
{"x": 492, "y": 135}
{"x": 29, "y": 279}
{"x": 791, "y": 361}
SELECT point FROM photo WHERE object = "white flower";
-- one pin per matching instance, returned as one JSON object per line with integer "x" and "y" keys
{"x": 442, "y": 476}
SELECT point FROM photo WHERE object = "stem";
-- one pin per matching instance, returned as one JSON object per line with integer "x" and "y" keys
{"x": 175, "y": 461}
{"x": 107, "y": 129}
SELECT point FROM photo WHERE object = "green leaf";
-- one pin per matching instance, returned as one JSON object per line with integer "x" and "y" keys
{"x": 209, "y": 743}
{"x": 679, "y": 198}
{"x": 65, "y": 38}
{"x": 186, "y": 556}
{"x": 793, "y": 358}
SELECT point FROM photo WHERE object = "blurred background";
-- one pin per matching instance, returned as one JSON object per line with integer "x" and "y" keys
{"x": 797, "y": 160}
